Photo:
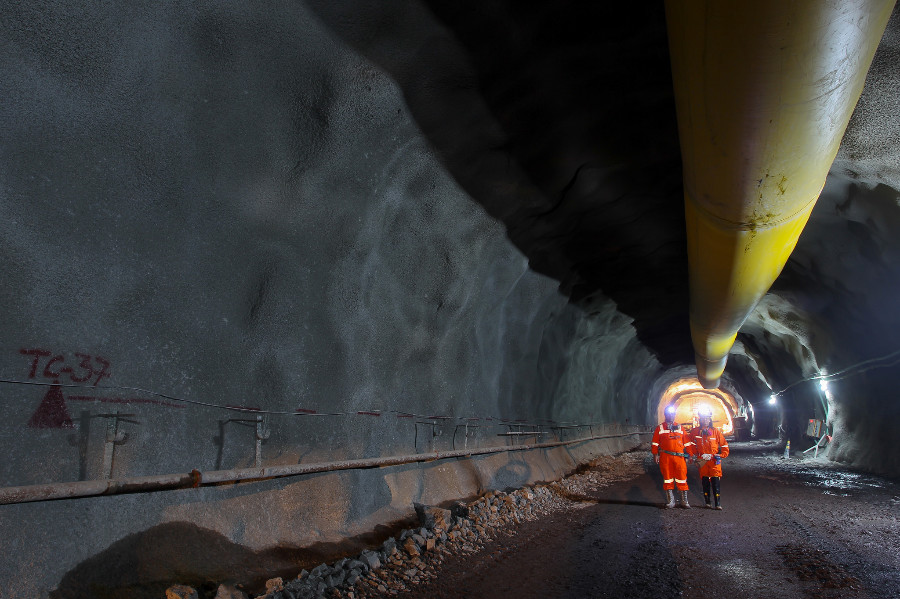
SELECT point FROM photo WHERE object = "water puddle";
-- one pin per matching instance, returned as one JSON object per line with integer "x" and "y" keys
{"x": 840, "y": 480}
{"x": 740, "y": 569}
{"x": 826, "y": 492}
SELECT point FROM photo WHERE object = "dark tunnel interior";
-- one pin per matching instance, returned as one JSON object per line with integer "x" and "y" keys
{"x": 243, "y": 235}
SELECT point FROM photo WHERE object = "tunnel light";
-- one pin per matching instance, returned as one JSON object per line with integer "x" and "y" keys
{"x": 824, "y": 385}
{"x": 773, "y": 400}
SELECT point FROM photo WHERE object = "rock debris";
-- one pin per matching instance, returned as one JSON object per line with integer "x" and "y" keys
{"x": 416, "y": 554}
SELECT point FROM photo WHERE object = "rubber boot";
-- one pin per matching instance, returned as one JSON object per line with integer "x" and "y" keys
{"x": 684, "y": 501}
{"x": 716, "y": 488}
{"x": 706, "y": 498}
{"x": 670, "y": 498}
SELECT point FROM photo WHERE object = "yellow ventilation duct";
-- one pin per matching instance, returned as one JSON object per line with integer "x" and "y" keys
{"x": 764, "y": 91}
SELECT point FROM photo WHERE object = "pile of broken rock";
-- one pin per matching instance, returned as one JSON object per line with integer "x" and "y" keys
{"x": 410, "y": 557}
{"x": 415, "y": 555}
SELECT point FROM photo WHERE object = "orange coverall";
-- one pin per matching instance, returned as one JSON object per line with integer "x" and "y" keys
{"x": 673, "y": 468}
{"x": 712, "y": 441}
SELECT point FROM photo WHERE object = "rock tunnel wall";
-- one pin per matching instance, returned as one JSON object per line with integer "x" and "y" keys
{"x": 831, "y": 313}
{"x": 224, "y": 212}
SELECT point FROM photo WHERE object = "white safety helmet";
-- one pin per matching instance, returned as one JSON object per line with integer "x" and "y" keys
{"x": 670, "y": 413}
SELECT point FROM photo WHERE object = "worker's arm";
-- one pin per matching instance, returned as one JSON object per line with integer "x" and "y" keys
{"x": 654, "y": 445}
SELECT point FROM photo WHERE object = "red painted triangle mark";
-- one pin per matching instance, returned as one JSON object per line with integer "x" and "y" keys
{"x": 52, "y": 413}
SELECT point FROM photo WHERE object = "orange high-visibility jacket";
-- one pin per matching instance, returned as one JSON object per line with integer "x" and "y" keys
{"x": 711, "y": 441}
{"x": 673, "y": 468}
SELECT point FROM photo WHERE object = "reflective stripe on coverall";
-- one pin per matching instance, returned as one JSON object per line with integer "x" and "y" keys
{"x": 713, "y": 442}
{"x": 673, "y": 468}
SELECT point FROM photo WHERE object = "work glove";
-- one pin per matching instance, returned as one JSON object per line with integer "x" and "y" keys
{"x": 707, "y": 456}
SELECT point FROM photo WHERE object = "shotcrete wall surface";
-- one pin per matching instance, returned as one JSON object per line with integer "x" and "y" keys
{"x": 225, "y": 239}
{"x": 250, "y": 531}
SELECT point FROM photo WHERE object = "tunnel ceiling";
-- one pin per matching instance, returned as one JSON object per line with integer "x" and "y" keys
{"x": 557, "y": 119}
{"x": 567, "y": 133}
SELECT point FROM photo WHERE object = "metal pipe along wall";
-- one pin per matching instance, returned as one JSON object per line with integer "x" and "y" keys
{"x": 195, "y": 478}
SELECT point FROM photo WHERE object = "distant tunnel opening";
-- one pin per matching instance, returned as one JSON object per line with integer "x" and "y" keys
{"x": 688, "y": 396}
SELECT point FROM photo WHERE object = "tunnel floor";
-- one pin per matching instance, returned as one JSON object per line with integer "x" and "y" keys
{"x": 789, "y": 528}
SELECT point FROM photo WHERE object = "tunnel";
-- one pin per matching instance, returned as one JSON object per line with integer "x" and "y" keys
{"x": 689, "y": 397}
{"x": 275, "y": 274}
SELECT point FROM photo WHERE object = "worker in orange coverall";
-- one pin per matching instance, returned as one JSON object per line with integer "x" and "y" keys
{"x": 710, "y": 447}
{"x": 671, "y": 447}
